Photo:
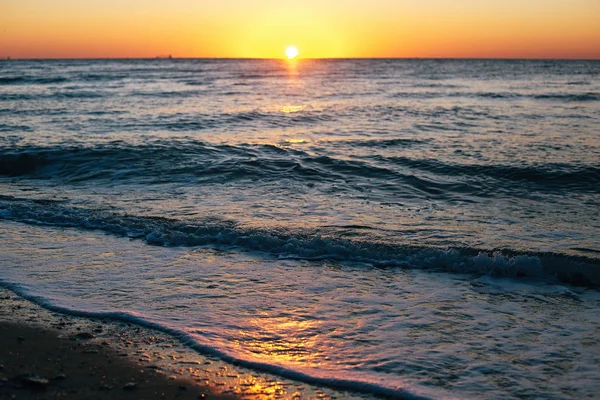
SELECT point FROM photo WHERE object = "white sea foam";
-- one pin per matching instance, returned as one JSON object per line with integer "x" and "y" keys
{"x": 303, "y": 244}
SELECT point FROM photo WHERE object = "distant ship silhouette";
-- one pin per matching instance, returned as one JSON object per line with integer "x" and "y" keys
{"x": 169, "y": 57}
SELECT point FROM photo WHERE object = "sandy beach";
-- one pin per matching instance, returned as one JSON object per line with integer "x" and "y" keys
{"x": 39, "y": 363}
{"x": 47, "y": 355}
{"x": 44, "y": 356}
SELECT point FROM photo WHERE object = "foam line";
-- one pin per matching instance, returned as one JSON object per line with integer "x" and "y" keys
{"x": 304, "y": 245}
{"x": 334, "y": 383}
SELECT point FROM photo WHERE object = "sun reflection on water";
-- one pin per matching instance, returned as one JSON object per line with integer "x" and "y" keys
{"x": 297, "y": 141}
{"x": 283, "y": 340}
{"x": 291, "y": 109}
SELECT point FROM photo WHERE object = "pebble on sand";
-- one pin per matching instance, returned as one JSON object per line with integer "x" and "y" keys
{"x": 34, "y": 381}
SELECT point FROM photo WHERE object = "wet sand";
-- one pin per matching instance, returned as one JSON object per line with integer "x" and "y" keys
{"x": 38, "y": 363}
{"x": 48, "y": 355}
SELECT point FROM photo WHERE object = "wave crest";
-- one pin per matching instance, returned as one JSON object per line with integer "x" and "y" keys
{"x": 308, "y": 245}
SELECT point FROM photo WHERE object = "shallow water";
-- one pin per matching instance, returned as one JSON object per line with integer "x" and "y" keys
{"x": 412, "y": 224}
{"x": 432, "y": 334}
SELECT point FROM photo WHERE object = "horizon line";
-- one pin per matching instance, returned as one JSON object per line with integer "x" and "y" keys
{"x": 9, "y": 58}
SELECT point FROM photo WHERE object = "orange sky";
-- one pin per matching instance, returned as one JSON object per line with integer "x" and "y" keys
{"x": 319, "y": 28}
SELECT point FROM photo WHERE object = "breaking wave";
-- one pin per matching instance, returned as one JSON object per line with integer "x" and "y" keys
{"x": 308, "y": 245}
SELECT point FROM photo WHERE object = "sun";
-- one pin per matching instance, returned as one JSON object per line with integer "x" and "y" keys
{"x": 291, "y": 52}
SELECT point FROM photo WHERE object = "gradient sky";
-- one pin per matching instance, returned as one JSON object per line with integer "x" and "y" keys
{"x": 319, "y": 28}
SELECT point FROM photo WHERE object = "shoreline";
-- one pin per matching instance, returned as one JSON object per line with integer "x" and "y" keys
{"x": 46, "y": 354}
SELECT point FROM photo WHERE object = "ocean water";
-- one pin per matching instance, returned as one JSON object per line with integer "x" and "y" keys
{"x": 426, "y": 227}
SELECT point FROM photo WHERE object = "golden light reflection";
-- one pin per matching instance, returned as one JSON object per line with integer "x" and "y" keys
{"x": 291, "y": 109}
{"x": 297, "y": 141}
{"x": 283, "y": 340}
{"x": 291, "y": 65}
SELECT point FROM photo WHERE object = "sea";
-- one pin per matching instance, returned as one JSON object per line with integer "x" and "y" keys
{"x": 397, "y": 227}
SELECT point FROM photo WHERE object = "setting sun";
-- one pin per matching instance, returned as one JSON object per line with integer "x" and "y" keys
{"x": 291, "y": 52}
